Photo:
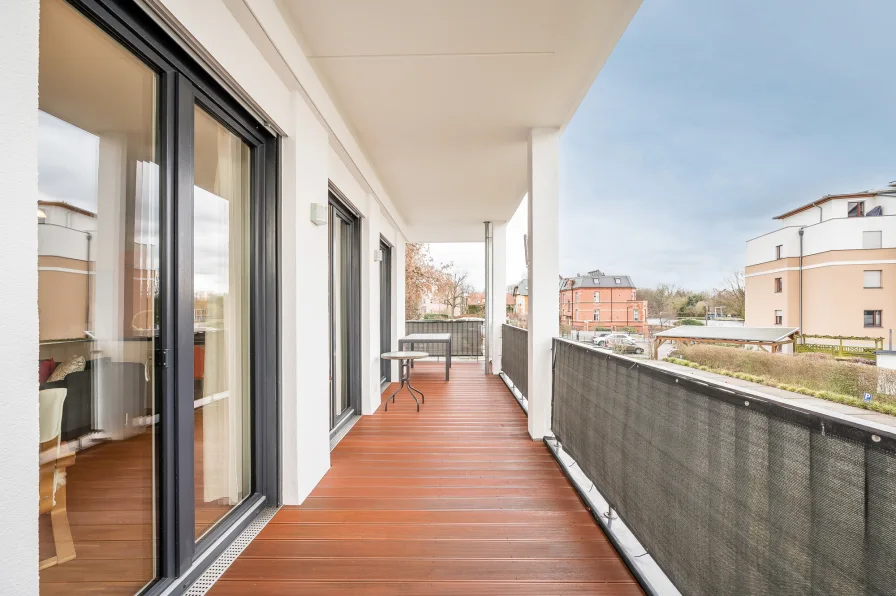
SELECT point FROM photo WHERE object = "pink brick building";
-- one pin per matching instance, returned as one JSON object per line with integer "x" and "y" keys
{"x": 596, "y": 300}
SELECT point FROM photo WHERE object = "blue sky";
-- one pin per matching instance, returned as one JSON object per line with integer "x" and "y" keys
{"x": 710, "y": 118}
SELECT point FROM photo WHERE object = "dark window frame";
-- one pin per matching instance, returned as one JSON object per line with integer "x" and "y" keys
{"x": 779, "y": 318}
{"x": 779, "y": 285}
{"x": 340, "y": 207}
{"x": 779, "y": 250}
{"x": 385, "y": 309}
{"x": 876, "y": 318}
{"x": 859, "y": 206}
{"x": 184, "y": 83}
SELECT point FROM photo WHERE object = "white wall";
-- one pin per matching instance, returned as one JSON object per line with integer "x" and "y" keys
{"x": 762, "y": 249}
{"x": 18, "y": 317}
{"x": 846, "y": 233}
{"x": 305, "y": 363}
{"x": 56, "y": 241}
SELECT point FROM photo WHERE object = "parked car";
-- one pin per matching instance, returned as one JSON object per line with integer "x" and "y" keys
{"x": 626, "y": 345}
{"x": 606, "y": 341}
{"x": 598, "y": 335}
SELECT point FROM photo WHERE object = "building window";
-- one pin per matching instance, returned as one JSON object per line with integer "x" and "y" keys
{"x": 597, "y": 315}
{"x": 779, "y": 317}
{"x": 778, "y": 250}
{"x": 779, "y": 284}
{"x": 856, "y": 209}
{"x": 577, "y": 314}
{"x": 873, "y": 318}
{"x": 871, "y": 239}
{"x": 634, "y": 294}
{"x": 597, "y": 296}
{"x": 618, "y": 280}
{"x": 636, "y": 315}
{"x": 873, "y": 279}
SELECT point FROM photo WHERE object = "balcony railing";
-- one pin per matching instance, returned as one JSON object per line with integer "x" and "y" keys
{"x": 515, "y": 357}
{"x": 730, "y": 492}
{"x": 466, "y": 335}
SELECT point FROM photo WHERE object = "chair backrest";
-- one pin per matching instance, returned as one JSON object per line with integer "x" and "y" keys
{"x": 51, "y": 401}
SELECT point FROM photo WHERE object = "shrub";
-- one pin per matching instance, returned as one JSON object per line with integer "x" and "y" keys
{"x": 818, "y": 372}
{"x": 691, "y": 322}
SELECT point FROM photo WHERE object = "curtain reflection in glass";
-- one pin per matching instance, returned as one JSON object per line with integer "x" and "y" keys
{"x": 221, "y": 321}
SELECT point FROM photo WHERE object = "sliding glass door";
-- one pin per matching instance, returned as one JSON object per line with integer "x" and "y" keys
{"x": 385, "y": 309}
{"x": 98, "y": 224}
{"x": 221, "y": 329}
{"x": 345, "y": 378}
{"x": 157, "y": 286}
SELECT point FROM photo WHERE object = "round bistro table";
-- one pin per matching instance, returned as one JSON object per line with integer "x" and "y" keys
{"x": 404, "y": 373}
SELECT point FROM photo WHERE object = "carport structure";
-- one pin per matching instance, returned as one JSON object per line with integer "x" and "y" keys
{"x": 768, "y": 338}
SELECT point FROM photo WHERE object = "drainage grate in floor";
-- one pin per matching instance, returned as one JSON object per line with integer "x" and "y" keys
{"x": 205, "y": 581}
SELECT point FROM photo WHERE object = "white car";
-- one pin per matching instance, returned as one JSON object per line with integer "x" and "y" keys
{"x": 606, "y": 341}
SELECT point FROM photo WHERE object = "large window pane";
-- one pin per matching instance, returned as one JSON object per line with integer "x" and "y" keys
{"x": 343, "y": 317}
{"x": 98, "y": 239}
{"x": 221, "y": 320}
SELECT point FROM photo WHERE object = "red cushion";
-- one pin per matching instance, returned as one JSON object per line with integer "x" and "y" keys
{"x": 46, "y": 369}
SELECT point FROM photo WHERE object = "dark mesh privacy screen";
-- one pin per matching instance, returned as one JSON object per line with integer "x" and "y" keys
{"x": 730, "y": 498}
{"x": 515, "y": 356}
{"x": 466, "y": 336}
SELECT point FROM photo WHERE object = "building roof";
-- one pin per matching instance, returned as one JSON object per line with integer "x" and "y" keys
{"x": 734, "y": 334}
{"x": 522, "y": 288}
{"x": 596, "y": 279}
{"x": 890, "y": 190}
{"x": 65, "y": 205}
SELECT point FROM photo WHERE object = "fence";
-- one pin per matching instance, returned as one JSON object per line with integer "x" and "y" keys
{"x": 839, "y": 349}
{"x": 466, "y": 335}
{"x": 515, "y": 356}
{"x": 729, "y": 492}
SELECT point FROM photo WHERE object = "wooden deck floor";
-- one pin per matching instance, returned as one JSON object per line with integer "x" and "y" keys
{"x": 454, "y": 500}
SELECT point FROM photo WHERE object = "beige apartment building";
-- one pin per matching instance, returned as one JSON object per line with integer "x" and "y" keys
{"x": 829, "y": 269}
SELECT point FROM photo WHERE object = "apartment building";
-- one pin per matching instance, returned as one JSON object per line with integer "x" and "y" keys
{"x": 596, "y": 300}
{"x": 520, "y": 293}
{"x": 829, "y": 268}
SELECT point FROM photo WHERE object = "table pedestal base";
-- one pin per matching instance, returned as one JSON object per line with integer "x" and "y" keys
{"x": 404, "y": 376}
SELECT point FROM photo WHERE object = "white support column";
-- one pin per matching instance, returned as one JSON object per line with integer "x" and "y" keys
{"x": 498, "y": 289}
{"x": 398, "y": 297}
{"x": 305, "y": 398}
{"x": 370, "y": 309}
{"x": 18, "y": 317}
{"x": 544, "y": 274}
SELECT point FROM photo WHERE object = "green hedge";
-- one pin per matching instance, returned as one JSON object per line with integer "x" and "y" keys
{"x": 810, "y": 372}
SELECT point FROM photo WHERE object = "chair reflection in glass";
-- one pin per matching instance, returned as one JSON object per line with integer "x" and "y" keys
{"x": 53, "y": 463}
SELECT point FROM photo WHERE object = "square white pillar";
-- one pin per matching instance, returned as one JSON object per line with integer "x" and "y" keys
{"x": 497, "y": 291}
{"x": 370, "y": 308}
{"x": 544, "y": 273}
{"x": 304, "y": 288}
{"x": 398, "y": 296}
{"x": 18, "y": 318}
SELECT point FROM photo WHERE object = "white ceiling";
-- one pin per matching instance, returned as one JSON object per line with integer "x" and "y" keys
{"x": 441, "y": 94}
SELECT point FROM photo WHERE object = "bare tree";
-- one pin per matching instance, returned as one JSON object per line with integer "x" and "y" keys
{"x": 732, "y": 295}
{"x": 663, "y": 302}
{"x": 453, "y": 288}
{"x": 421, "y": 278}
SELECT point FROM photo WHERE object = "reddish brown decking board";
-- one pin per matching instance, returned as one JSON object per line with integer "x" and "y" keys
{"x": 454, "y": 500}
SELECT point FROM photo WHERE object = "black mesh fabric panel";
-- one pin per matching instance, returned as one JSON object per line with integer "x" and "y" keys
{"x": 730, "y": 498}
{"x": 515, "y": 356}
{"x": 466, "y": 336}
